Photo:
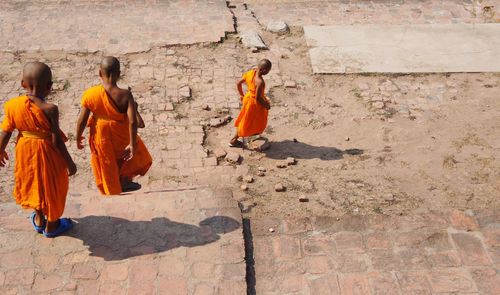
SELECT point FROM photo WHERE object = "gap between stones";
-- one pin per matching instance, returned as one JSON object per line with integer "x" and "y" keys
{"x": 249, "y": 259}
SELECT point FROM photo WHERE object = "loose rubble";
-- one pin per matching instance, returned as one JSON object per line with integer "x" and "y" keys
{"x": 279, "y": 187}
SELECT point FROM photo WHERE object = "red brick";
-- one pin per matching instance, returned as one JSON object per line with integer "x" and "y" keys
{"x": 347, "y": 263}
{"x": 487, "y": 280}
{"x": 413, "y": 282}
{"x": 204, "y": 289}
{"x": 286, "y": 247}
{"x": 492, "y": 241}
{"x": 425, "y": 237}
{"x": 413, "y": 258}
{"x": 325, "y": 285}
{"x": 47, "y": 262}
{"x": 470, "y": 249}
{"x": 112, "y": 289}
{"x": 20, "y": 276}
{"x": 87, "y": 287}
{"x": 230, "y": 287}
{"x": 84, "y": 271}
{"x": 297, "y": 225}
{"x": 293, "y": 283}
{"x": 234, "y": 271}
{"x": 444, "y": 259}
{"x": 115, "y": 272}
{"x": 44, "y": 283}
{"x": 383, "y": 283}
{"x": 385, "y": 260}
{"x": 16, "y": 258}
{"x": 172, "y": 286}
{"x": 378, "y": 240}
{"x": 2, "y": 278}
{"x": 202, "y": 270}
{"x": 459, "y": 220}
{"x": 318, "y": 245}
{"x": 141, "y": 277}
{"x": 318, "y": 264}
{"x": 354, "y": 283}
{"x": 348, "y": 242}
{"x": 451, "y": 280}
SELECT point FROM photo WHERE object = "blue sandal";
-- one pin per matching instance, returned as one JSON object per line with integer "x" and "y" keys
{"x": 38, "y": 229}
{"x": 65, "y": 224}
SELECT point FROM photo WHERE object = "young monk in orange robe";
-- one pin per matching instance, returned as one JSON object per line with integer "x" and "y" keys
{"x": 252, "y": 119}
{"x": 43, "y": 163}
{"x": 118, "y": 153}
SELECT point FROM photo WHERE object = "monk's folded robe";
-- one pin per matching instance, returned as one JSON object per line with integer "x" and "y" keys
{"x": 252, "y": 119}
{"x": 41, "y": 174}
{"x": 108, "y": 137}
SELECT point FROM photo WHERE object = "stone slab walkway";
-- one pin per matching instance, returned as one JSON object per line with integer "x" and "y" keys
{"x": 114, "y": 27}
{"x": 432, "y": 253}
{"x": 182, "y": 241}
{"x": 404, "y": 49}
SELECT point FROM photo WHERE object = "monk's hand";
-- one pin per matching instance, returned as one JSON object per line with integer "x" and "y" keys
{"x": 3, "y": 158}
{"x": 71, "y": 169}
{"x": 79, "y": 142}
{"x": 128, "y": 153}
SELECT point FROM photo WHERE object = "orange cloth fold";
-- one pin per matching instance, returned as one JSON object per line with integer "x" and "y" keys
{"x": 252, "y": 119}
{"x": 41, "y": 174}
{"x": 108, "y": 138}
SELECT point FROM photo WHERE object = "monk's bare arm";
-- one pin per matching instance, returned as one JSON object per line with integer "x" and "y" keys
{"x": 239, "y": 85}
{"x": 4, "y": 140}
{"x": 131, "y": 114}
{"x": 53, "y": 114}
{"x": 258, "y": 94}
{"x": 140, "y": 121}
{"x": 80, "y": 126}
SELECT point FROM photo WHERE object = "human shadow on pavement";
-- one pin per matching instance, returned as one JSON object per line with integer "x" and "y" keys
{"x": 115, "y": 238}
{"x": 281, "y": 150}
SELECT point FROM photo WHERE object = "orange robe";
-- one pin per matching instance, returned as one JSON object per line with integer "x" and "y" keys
{"x": 41, "y": 174}
{"x": 108, "y": 138}
{"x": 252, "y": 119}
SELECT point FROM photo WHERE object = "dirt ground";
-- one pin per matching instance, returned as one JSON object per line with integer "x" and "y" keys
{"x": 374, "y": 143}
{"x": 364, "y": 144}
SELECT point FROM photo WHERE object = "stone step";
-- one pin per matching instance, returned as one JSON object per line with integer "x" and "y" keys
{"x": 184, "y": 239}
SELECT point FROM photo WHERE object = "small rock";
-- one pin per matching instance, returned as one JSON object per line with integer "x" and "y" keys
{"x": 303, "y": 199}
{"x": 295, "y": 140}
{"x": 252, "y": 39}
{"x": 205, "y": 107}
{"x": 170, "y": 52}
{"x": 271, "y": 230}
{"x": 356, "y": 210}
{"x": 389, "y": 197}
{"x": 281, "y": 165}
{"x": 469, "y": 212}
{"x": 248, "y": 178}
{"x": 291, "y": 161}
{"x": 227, "y": 118}
{"x": 244, "y": 187}
{"x": 262, "y": 169}
{"x": 279, "y": 187}
{"x": 216, "y": 122}
{"x": 347, "y": 139}
{"x": 219, "y": 153}
{"x": 169, "y": 106}
{"x": 254, "y": 49}
{"x": 290, "y": 84}
{"x": 378, "y": 105}
{"x": 185, "y": 92}
{"x": 260, "y": 144}
{"x": 233, "y": 157}
{"x": 279, "y": 27}
{"x": 261, "y": 174}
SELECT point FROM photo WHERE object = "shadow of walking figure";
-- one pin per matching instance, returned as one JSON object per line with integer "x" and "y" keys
{"x": 115, "y": 238}
{"x": 280, "y": 150}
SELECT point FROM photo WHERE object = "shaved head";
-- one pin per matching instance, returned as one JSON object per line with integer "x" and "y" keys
{"x": 265, "y": 64}
{"x": 36, "y": 74}
{"x": 110, "y": 66}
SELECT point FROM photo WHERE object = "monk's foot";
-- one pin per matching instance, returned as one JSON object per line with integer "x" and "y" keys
{"x": 130, "y": 186}
{"x": 56, "y": 228}
{"x": 235, "y": 143}
{"x": 38, "y": 221}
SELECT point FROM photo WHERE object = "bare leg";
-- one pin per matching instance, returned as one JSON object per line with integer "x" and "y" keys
{"x": 52, "y": 226}
{"x": 234, "y": 140}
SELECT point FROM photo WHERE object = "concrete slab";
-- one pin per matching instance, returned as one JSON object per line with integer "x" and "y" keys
{"x": 404, "y": 49}
{"x": 184, "y": 241}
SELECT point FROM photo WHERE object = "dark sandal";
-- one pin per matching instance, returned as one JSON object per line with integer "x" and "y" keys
{"x": 38, "y": 229}
{"x": 65, "y": 224}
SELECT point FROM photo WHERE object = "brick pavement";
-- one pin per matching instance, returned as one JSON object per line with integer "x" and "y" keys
{"x": 110, "y": 26}
{"x": 452, "y": 252}
{"x": 184, "y": 241}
